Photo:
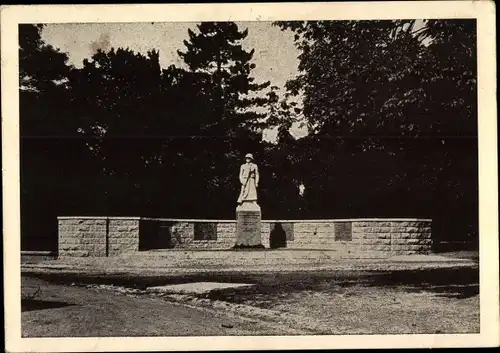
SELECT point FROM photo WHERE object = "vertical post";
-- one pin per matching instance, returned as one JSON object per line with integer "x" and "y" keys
{"x": 107, "y": 236}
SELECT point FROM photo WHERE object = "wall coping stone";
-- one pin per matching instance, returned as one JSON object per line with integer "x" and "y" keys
{"x": 99, "y": 218}
{"x": 350, "y": 220}
{"x": 187, "y": 220}
{"x": 38, "y": 253}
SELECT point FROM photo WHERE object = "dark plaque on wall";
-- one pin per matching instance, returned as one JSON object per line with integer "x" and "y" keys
{"x": 205, "y": 231}
{"x": 343, "y": 231}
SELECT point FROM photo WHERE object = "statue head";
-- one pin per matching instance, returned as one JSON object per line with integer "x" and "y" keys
{"x": 248, "y": 157}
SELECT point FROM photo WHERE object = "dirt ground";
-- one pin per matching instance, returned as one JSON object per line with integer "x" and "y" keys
{"x": 395, "y": 302}
{"x": 72, "y": 311}
{"x": 440, "y": 300}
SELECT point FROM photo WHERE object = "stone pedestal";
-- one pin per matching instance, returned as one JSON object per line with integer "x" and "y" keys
{"x": 248, "y": 227}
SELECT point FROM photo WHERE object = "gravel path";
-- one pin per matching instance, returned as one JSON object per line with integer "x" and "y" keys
{"x": 147, "y": 265}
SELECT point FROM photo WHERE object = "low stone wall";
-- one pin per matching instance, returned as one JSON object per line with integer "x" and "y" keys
{"x": 360, "y": 238}
{"x": 98, "y": 236}
{"x": 123, "y": 235}
{"x": 80, "y": 236}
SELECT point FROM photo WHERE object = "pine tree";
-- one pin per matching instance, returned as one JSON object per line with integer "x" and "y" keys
{"x": 223, "y": 69}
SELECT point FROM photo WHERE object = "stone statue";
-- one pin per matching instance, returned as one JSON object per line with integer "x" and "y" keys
{"x": 249, "y": 179}
{"x": 248, "y": 214}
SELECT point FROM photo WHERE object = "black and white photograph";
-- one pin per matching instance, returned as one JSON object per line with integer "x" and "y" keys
{"x": 223, "y": 176}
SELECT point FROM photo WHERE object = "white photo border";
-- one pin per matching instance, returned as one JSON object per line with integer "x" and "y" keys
{"x": 482, "y": 11}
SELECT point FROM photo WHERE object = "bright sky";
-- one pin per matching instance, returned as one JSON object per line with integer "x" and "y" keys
{"x": 275, "y": 55}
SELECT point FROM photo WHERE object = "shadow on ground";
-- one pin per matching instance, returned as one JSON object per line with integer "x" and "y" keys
{"x": 36, "y": 304}
{"x": 451, "y": 283}
{"x": 457, "y": 283}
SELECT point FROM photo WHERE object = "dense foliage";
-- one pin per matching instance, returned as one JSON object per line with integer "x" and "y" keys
{"x": 393, "y": 112}
{"x": 391, "y": 109}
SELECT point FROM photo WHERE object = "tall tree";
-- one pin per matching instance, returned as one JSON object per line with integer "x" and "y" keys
{"x": 392, "y": 105}
{"x": 282, "y": 113}
{"x": 356, "y": 76}
{"x": 219, "y": 104}
{"x": 47, "y": 131}
{"x": 216, "y": 54}
{"x": 118, "y": 97}
{"x": 43, "y": 75}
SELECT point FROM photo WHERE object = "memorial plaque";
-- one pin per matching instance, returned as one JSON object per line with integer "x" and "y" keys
{"x": 248, "y": 228}
{"x": 205, "y": 231}
{"x": 148, "y": 234}
{"x": 343, "y": 231}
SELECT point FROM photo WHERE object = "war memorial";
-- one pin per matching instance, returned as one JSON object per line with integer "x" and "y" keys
{"x": 351, "y": 238}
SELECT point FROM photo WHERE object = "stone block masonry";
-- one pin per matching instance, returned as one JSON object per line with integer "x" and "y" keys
{"x": 123, "y": 236}
{"x": 79, "y": 236}
{"x": 359, "y": 238}
{"x": 394, "y": 237}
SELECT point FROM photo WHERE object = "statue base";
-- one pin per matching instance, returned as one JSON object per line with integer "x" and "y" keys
{"x": 248, "y": 225}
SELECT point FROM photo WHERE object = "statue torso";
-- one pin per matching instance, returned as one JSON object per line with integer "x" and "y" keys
{"x": 248, "y": 169}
